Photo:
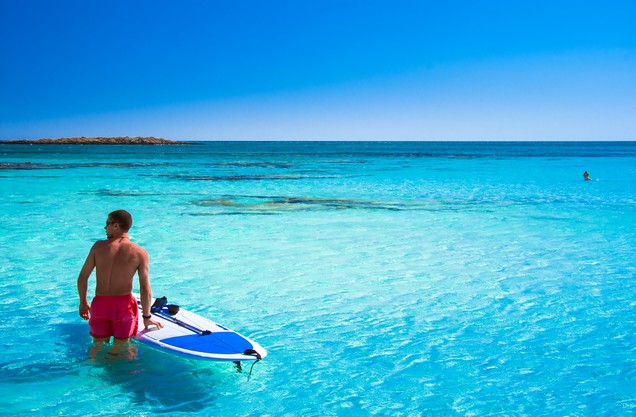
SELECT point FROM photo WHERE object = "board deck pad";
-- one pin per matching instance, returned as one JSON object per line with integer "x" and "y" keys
{"x": 188, "y": 334}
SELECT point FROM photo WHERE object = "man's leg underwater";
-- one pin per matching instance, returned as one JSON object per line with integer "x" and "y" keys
{"x": 98, "y": 344}
{"x": 123, "y": 347}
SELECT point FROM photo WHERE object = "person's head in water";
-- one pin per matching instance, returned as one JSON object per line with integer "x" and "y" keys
{"x": 586, "y": 176}
{"x": 118, "y": 223}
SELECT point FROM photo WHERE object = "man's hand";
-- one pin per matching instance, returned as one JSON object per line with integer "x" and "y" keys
{"x": 84, "y": 311}
{"x": 151, "y": 322}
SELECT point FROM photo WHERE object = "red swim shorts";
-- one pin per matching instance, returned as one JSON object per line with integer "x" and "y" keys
{"x": 114, "y": 316}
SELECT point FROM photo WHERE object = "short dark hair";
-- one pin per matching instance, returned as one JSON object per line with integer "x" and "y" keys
{"x": 123, "y": 218}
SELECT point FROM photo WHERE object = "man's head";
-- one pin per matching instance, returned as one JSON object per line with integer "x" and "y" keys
{"x": 122, "y": 218}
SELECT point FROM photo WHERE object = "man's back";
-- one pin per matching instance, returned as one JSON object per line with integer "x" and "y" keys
{"x": 116, "y": 261}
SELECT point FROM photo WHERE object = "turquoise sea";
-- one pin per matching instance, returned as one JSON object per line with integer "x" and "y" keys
{"x": 384, "y": 279}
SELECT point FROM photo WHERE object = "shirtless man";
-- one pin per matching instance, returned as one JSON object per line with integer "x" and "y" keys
{"x": 113, "y": 311}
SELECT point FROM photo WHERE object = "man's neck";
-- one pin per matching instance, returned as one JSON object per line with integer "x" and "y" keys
{"x": 119, "y": 238}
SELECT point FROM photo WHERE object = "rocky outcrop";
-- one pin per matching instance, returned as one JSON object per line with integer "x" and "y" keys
{"x": 121, "y": 140}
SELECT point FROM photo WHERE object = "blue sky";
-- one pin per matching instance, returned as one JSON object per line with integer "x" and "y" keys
{"x": 319, "y": 70}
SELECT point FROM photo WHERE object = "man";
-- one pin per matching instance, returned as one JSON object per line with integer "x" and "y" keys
{"x": 113, "y": 311}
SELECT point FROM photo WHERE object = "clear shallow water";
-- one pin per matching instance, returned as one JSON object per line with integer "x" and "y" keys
{"x": 383, "y": 278}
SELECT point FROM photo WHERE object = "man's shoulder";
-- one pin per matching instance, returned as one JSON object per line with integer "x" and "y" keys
{"x": 137, "y": 248}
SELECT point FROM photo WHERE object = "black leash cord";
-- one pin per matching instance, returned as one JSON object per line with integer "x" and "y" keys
{"x": 252, "y": 367}
{"x": 182, "y": 324}
{"x": 252, "y": 352}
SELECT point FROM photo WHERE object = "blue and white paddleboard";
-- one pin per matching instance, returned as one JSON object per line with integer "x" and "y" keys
{"x": 187, "y": 334}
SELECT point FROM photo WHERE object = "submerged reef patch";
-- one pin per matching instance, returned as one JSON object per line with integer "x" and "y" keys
{"x": 32, "y": 166}
{"x": 240, "y": 177}
{"x": 237, "y": 204}
{"x": 259, "y": 204}
{"x": 120, "y": 193}
{"x": 254, "y": 164}
{"x": 22, "y": 165}
{"x": 234, "y": 178}
{"x": 132, "y": 193}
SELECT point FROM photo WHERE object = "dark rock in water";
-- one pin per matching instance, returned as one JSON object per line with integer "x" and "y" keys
{"x": 120, "y": 140}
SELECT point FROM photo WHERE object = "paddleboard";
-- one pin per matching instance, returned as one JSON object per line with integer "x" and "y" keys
{"x": 188, "y": 334}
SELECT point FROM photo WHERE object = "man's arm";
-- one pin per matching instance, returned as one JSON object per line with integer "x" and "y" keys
{"x": 145, "y": 291}
{"x": 82, "y": 284}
